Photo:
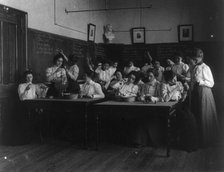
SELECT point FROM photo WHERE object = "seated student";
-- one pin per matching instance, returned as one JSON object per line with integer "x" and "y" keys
{"x": 173, "y": 90}
{"x": 117, "y": 82}
{"x": 147, "y": 66}
{"x": 56, "y": 75}
{"x": 129, "y": 68}
{"x": 28, "y": 90}
{"x": 180, "y": 69}
{"x": 73, "y": 71}
{"x": 98, "y": 68}
{"x": 90, "y": 88}
{"x": 170, "y": 64}
{"x": 112, "y": 69}
{"x": 129, "y": 90}
{"x": 139, "y": 79}
{"x": 148, "y": 62}
{"x": 158, "y": 71}
{"x": 150, "y": 91}
{"x": 72, "y": 75}
{"x": 104, "y": 76}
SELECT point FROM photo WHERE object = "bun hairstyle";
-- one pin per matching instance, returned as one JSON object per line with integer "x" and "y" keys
{"x": 56, "y": 57}
{"x": 197, "y": 52}
{"x": 27, "y": 72}
{"x": 168, "y": 75}
{"x": 73, "y": 58}
{"x": 89, "y": 74}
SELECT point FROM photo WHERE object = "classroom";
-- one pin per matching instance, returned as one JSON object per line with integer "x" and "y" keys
{"x": 111, "y": 85}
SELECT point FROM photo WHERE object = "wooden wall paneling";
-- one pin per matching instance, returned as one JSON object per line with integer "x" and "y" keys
{"x": 6, "y": 59}
{"x": 12, "y": 53}
{"x": 1, "y": 51}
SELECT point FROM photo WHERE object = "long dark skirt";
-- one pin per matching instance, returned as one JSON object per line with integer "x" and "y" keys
{"x": 187, "y": 127}
{"x": 204, "y": 109}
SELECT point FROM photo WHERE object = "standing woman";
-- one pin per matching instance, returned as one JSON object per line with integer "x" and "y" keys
{"x": 72, "y": 74}
{"x": 203, "y": 103}
{"x": 56, "y": 75}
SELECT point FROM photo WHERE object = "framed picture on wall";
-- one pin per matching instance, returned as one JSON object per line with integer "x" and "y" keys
{"x": 91, "y": 32}
{"x": 185, "y": 33}
{"x": 138, "y": 35}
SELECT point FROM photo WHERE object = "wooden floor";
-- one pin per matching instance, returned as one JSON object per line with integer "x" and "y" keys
{"x": 57, "y": 156}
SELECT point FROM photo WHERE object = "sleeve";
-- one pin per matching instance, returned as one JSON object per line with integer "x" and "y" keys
{"x": 125, "y": 70}
{"x": 81, "y": 88}
{"x": 98, "y": 91}
{"x": 41, "y": 91}
{"x": 207, "y": 77}
{"x": 158, "y": 90}
{"x": 180, "y": 87}
{"x": 74, "y": 73}
{"x": 164, "y": 93}
{"x": 100, "y": 76}
{"x": 21, "y": 91}
{"x": 134, "y": 90}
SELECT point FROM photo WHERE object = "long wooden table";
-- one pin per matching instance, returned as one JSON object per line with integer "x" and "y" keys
{"x": 82, "y": 105}
{"x": 137, "y": 109}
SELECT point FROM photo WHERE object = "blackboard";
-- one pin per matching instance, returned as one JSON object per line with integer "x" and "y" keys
{"x": 42, "y": 47}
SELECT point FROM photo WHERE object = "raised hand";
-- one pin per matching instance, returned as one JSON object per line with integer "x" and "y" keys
{"x": 28, "y": 87}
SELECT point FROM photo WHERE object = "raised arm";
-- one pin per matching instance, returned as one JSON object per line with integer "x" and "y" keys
{"x": 62, "y": 53}
{"x": 73, "y": 73}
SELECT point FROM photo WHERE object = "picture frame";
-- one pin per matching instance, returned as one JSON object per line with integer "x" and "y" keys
{"x": 185, "y": 33}
{"x": 138, "y": 35}
{"x": 91, "y": 32}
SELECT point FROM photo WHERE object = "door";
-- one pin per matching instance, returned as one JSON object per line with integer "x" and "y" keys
{"x": 13, "y": 61}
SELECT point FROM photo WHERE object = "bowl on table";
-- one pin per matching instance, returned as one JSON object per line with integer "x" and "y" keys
{"x": 70, "y": 96}
{"x": 128, "y": 99}
{"x": 73, "y": 96}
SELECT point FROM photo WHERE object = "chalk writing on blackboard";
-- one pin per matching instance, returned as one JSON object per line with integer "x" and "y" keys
{"x": 44, "y": 45}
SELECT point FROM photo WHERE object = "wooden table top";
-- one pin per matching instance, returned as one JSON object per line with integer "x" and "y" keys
{"x": 117, "y": 103}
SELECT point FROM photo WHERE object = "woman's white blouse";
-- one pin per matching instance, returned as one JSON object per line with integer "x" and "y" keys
{"x": 35, "y": 91}
{"x": 180, "y": 69}
{"x": 150, "y": 89}
{"x": 112, "y": 70}
{"x": 171, "y": 92}
{"x": 128, "y": 90}
{"x": 203, "y": 75}
{"x": 59, "y": 76}
{"x": 27, "y": 94}
{"x": 92, "y": 89}
{"x": 104, "y": 75}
